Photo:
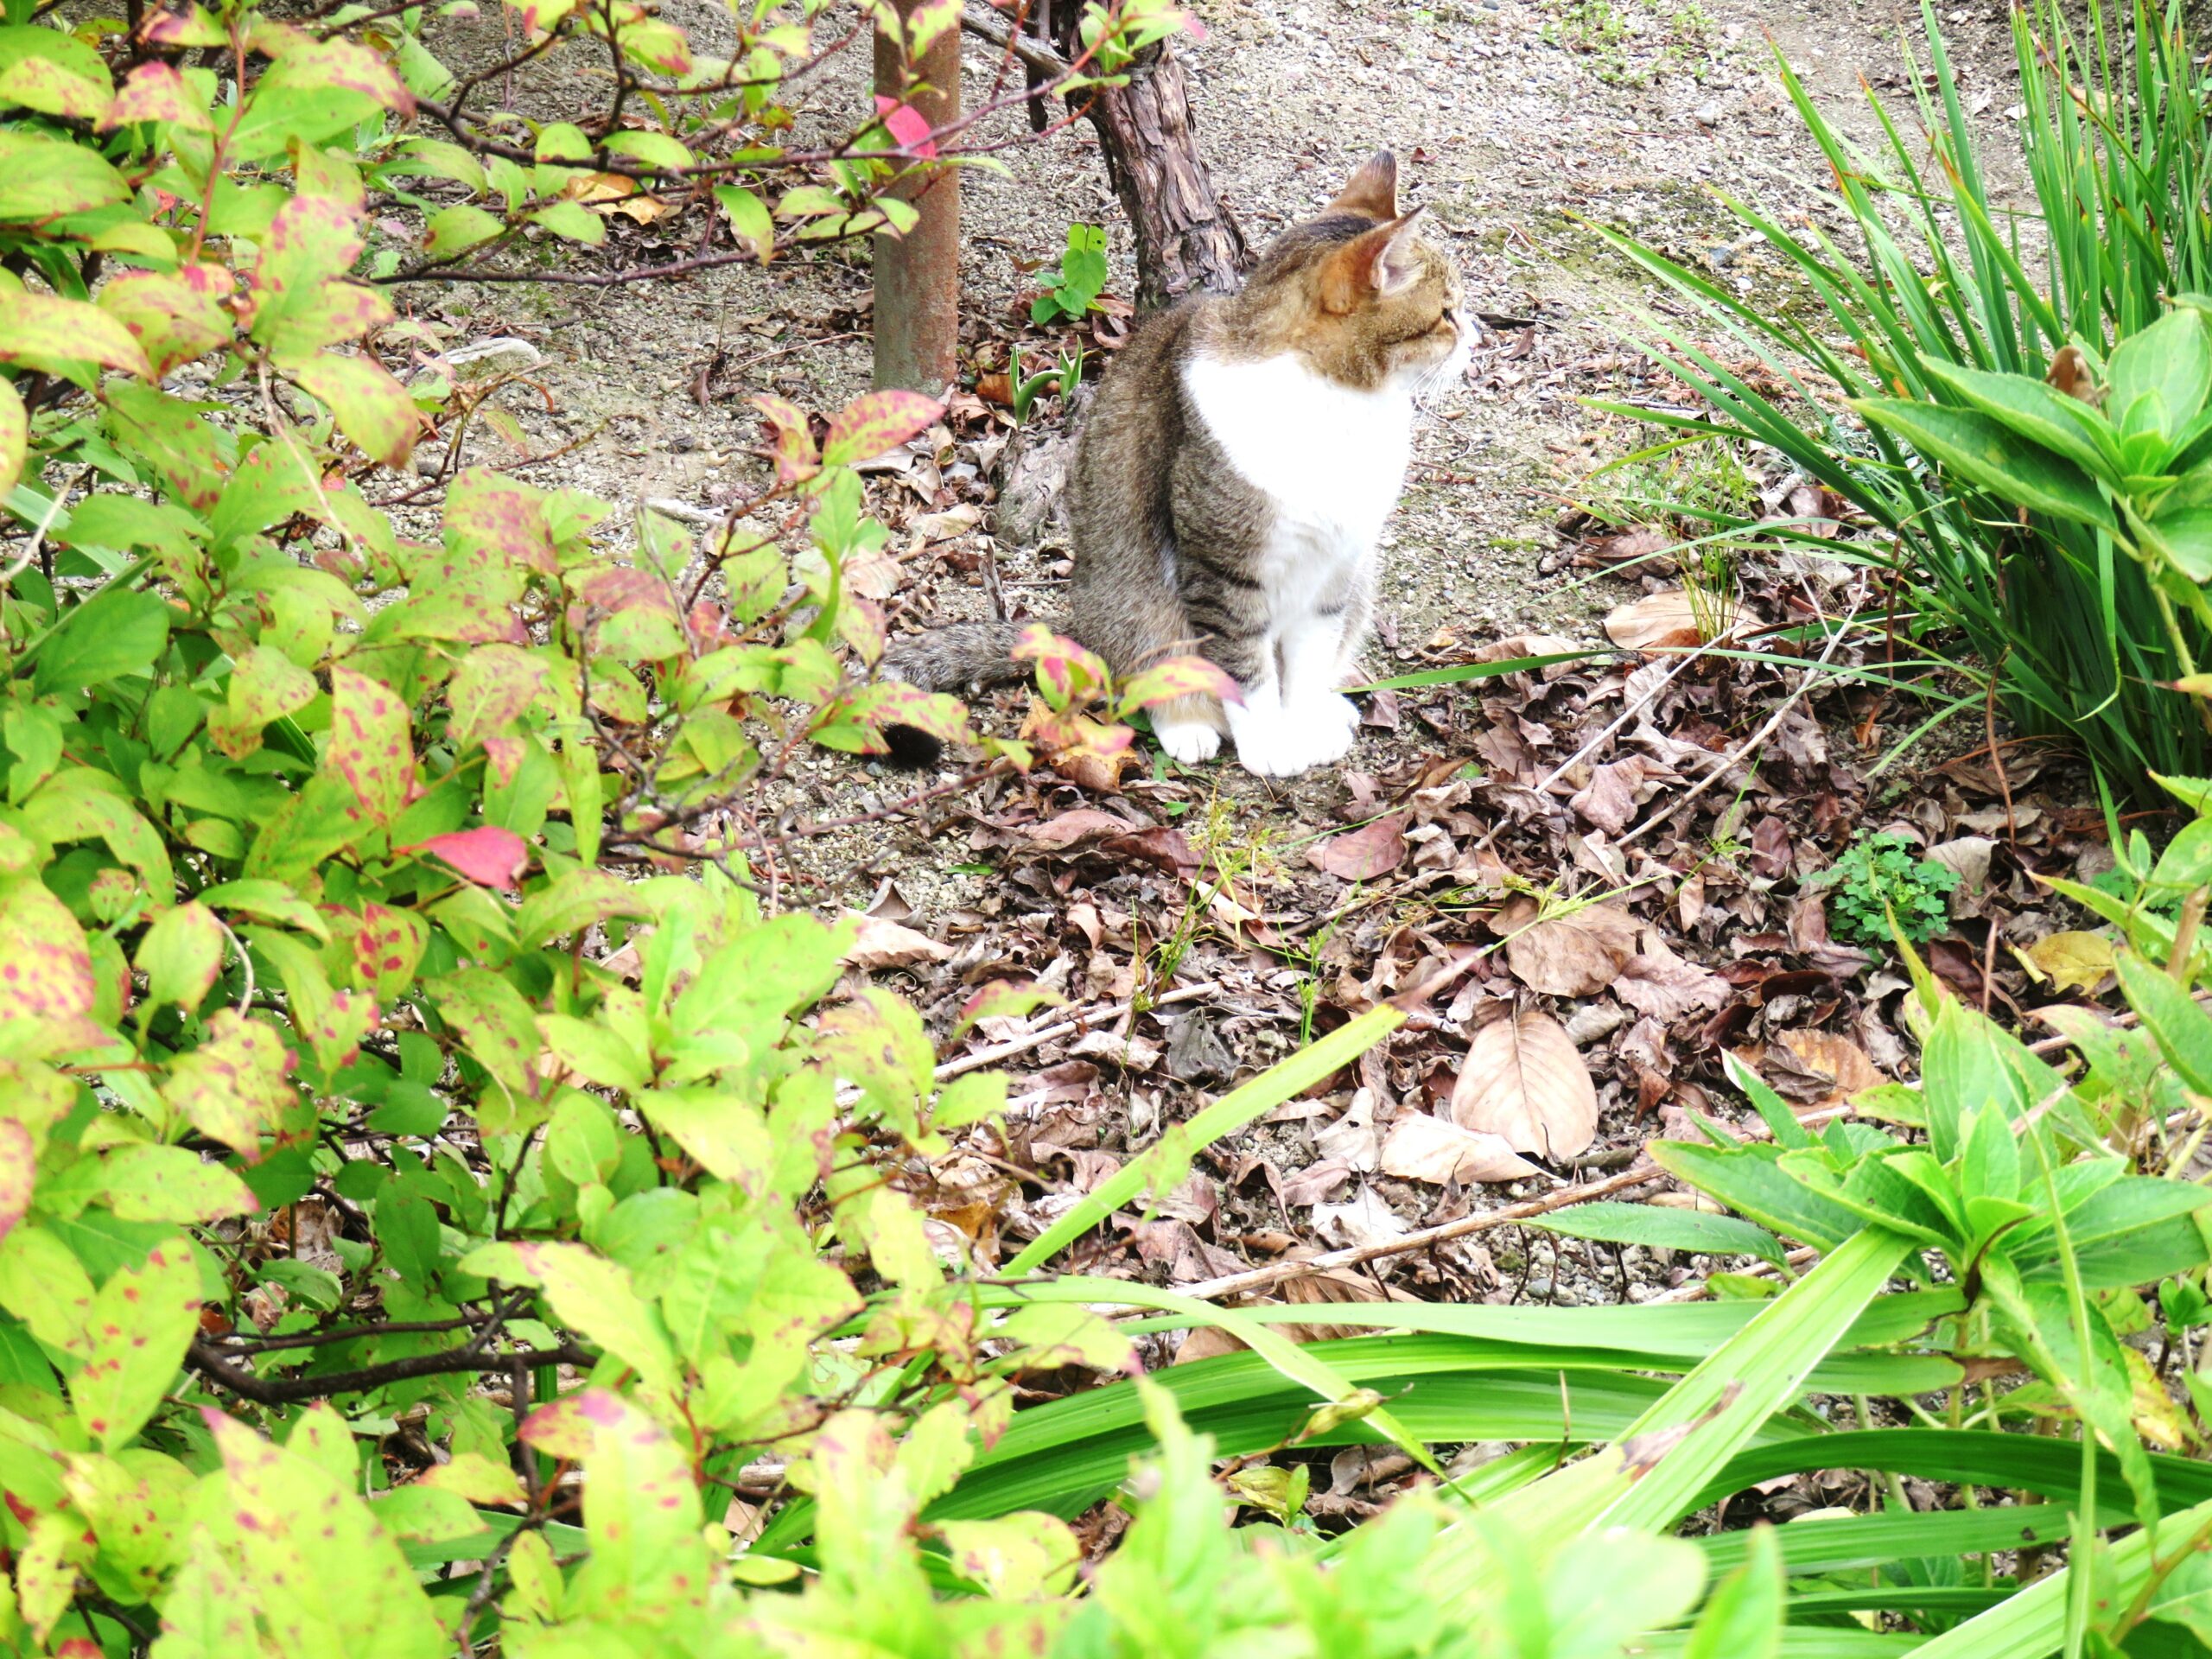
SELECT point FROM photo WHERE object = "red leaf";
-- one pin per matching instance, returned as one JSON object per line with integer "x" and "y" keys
{"x": 907, "y": 124}
{"x": 487, "y": 855}
{"x": 875, "y": 423}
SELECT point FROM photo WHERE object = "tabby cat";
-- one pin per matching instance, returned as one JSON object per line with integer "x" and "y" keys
{"x": 1231, "y": 484}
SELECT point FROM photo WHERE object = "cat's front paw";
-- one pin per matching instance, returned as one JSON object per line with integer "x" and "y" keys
{"x": 1187, "y": 740}
{"x": 1292, "y": 742}
{"x": 1332, "y": 711}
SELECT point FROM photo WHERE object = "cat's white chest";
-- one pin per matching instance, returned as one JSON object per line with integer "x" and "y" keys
{"x": 1332, "y": 458}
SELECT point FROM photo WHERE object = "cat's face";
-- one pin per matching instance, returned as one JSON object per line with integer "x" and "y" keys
{"x": 1360, "y": 295}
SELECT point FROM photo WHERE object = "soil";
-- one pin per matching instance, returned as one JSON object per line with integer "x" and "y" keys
{"x": 1520, "y": 125}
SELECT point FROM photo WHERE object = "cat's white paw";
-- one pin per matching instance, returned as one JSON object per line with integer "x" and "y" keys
{"x": 1284, "y": 743}
{"x": 1332, "y": 710}
{"x": 1187, "y": 740}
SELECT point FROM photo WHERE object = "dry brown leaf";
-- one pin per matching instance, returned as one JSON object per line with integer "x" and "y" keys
{"x": 1360, "y": 1223}
{"x": 1420, "y": 1148}
{"x": 1669, "y": 617}
{"x": 611, "y": 192}
{"x": 1523, "y": 1080}
{"x": 1071, "y": 826}
{"x": 1130, "y": 1053}
{"x": 1365, "y": 854}
{"x": 1660, "y": 983}
{"x": 1576, "y": 954}
{"x": 884, "y": 944}
{"x": 2072, "y": 961}
{"x": 1838, "y": 1060}
{"x": 1206, "y": 1342}
{"x": 1608, "y": 800}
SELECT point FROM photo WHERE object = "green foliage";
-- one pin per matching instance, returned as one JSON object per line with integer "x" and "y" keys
{"x": 2029, "y": 401}
{"x": 1062, "y": 376}
{"x": 1880, "y": 884}
{"x": 1072, "y": 290}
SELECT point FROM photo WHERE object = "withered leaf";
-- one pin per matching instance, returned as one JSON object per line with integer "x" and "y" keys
{"x": 1365, "y": 854}
{"x": 1420, "y": 1148}
{"x": 1576, "y": 954}
{"x": 1523, "y": 1080}
{"x": 2072, "y": 961}
{"x": 1670, "y": 619}
{"x": 1659, "y": 983}
{"x": 882, "y": 942}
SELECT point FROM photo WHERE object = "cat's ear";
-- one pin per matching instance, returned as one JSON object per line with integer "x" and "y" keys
{"x": 1372, "y": 192}
{"x": 1376, "y": 265}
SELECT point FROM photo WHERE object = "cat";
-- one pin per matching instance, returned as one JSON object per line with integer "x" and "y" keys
{"x": 1230, "y": 484}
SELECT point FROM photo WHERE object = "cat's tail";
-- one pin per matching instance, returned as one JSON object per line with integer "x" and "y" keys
{"x": 955, "y": 657}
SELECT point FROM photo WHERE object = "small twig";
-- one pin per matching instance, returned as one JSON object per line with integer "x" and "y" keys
{"x": 1240, "y": 1284}
{"x": 1066, "y": 1026}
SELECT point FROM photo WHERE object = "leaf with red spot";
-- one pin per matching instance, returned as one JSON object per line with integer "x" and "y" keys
{"x": 369, "y": 751}
{"x": 387, "y": 945}
{"x": 298, "y": 297}
{"x": 474, "y": 607}
{"x": 71, "y": 337}
{"x": 155, "y": 91}
{"x": 185, "y": 450}
{"x": 487, "y": 513}
{"x": 171, "y": 1184}
{"x": 18, "y": 1172}
{"x": 876, "y": 422}
{"x": 495, "y": 1026}
{"x": 174, "y": 316}
{"x": 141, "y": 1322}
{"x": 47, "y": 986}
{"x": 642, "y": 1516}
{"x": 372, "y": 408}
{"x": 186, "y": 24}
{"x": 855, "y": 722}
{"x": 1066, "y": 672}
{"x": 1180, "y": 677}
{"x": 327, "y": 1579}
{"x": 492, "y": 688}
{"x": 264, "y": 685}
{"x": 796, "y": 459}
{"x": 487, "y": 855}
{"x": 232, "y": 1086}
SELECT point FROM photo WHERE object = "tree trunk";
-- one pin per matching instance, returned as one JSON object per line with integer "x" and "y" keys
{"x": 1187, "y": 238}
{"x": 918, "y": 276}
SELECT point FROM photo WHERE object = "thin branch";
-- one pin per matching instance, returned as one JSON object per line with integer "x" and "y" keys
{"x": 1243, "y": 1284}
{"x": 211, "y": 1363}
{"x": 1033, "y": 53}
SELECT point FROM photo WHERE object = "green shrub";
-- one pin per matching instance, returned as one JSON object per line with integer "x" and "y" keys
{"x": 2083, "y": 637}
{"x": 1880, "y": 882}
